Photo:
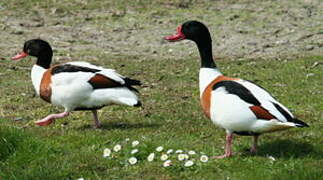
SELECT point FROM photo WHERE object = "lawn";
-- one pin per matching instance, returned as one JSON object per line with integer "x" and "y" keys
{"x": 170, "y": 117}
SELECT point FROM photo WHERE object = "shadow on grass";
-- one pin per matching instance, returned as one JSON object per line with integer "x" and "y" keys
{"x": 289, "y": 149}
{"x": 120, "y": 125}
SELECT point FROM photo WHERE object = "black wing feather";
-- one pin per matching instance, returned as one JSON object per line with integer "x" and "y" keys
{"x": 72, "y": 68}
{"x": 289, "y": 118}
{"x": 235, "y": 88}
{"x": 132, "y": 82}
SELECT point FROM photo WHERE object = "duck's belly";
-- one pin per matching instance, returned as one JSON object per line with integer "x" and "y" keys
{"x": 87, "y": 99}
{"x": 72, "y": 96}
{"x": 231, "y": 113}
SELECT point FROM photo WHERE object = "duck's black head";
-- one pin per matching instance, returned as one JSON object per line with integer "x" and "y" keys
{"x": 199, "y": 33}
{"x": 191, "y": 30}
{"x": 37, "y": 48}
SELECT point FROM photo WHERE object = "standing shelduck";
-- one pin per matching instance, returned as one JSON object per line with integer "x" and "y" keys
{"x": 76, "y": 85}
{"x": 238, "y": 106}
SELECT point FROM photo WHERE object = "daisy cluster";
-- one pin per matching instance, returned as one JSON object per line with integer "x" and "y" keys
{"x": 134, "y": 152}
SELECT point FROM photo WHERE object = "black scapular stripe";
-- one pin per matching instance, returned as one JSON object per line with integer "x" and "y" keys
{"x": 289, "y": 118}
{"x": 237, "y": 89}
{"x": 72, "y": 68}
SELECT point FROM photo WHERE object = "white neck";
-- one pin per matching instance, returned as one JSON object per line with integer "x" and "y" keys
{"x": 36, "y": 76}
{"x": 206, "y": 76}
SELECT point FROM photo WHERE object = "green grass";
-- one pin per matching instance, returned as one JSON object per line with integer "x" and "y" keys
{"x": 171, "y": 117}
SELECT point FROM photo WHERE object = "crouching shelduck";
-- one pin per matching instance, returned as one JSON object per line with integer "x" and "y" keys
{"x": 238, "y": 106}
{"x": 76, "y": 85}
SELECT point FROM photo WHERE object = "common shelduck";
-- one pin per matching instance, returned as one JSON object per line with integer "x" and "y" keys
{"x": 76, "y": 85}
{"x": 239, "y": 106}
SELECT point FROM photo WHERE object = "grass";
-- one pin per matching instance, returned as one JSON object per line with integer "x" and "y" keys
{"x": 171, "y": 117}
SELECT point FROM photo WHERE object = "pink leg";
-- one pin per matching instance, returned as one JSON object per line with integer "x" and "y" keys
{"x": 228, "y": 149}
{"x": 97, "y": 123}
{"x": 51, "y": 118}
{"x": 254, "y": 145}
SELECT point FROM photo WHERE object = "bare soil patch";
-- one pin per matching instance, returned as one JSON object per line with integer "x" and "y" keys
{"x": 84, "y": 30}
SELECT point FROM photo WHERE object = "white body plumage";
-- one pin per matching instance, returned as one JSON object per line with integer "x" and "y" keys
{"x": 72, "y": 89}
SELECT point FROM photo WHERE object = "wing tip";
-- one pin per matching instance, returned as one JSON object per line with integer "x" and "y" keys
{"x": 132, "y": 82}
{"x": 300, "y": 123}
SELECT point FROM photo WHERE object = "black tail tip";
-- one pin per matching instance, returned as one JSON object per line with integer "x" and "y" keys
{"x": 138, "y": 104}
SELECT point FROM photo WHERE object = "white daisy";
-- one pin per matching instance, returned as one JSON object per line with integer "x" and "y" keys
{"x": 271, "y": 158}
{"x": 106, "y": 152}
{"x": 164, "y": 157}
{"x": 191, "y": 152}
{"x": 117, "y": 148}
{"x": 179, "y": 151}
{"x": 189, "y": 163}
{"x": 186, "y": 156}
{"x": 204, "y": 158}
{"x": 132, "y": 160}
{"x": 170, "y": 151}
{"x": 167, "y": 163}
{"x": 159, "y": 149}
{"x": 182, "y": 157}
{"x": 127, "y": 139}
{"x": 134, "y": 151}
{"x": 151, "y": 157}
{"x": 80, "y": 179}
{"x": 135, "y": 143}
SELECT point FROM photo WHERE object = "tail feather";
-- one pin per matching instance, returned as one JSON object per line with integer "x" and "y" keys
{"x": 138, "y": 104}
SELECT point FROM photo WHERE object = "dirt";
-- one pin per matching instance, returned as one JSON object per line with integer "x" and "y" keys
{"x": 267, "y": 29}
